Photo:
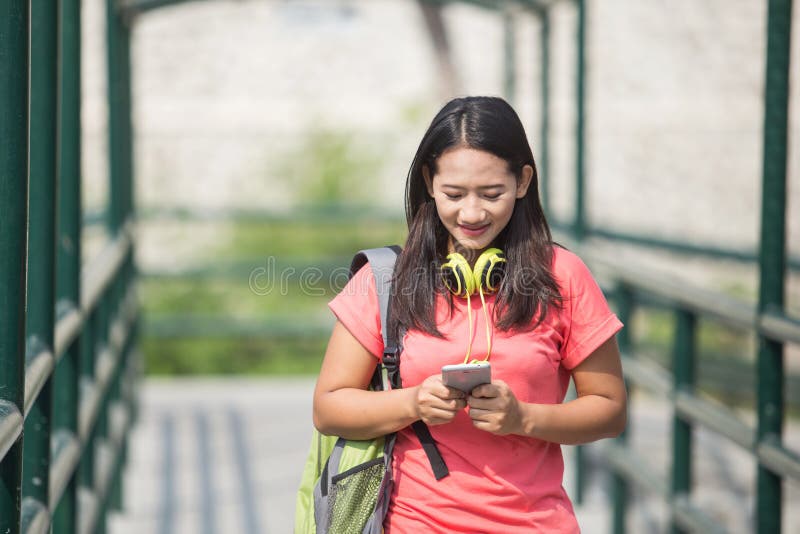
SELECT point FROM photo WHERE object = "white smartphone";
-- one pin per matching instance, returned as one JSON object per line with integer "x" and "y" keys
{"x": 465, "y": 376}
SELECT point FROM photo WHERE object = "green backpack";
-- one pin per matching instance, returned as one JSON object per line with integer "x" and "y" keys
{"x": 346, "y": 484}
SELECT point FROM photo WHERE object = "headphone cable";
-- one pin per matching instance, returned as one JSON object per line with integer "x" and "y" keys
{"x": 472, "y": 330}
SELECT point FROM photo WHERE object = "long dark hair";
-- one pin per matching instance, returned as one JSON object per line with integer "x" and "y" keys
{"x": 529, "y": 289}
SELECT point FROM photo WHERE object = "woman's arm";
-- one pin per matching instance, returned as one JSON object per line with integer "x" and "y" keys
{"x": 344, "y": 407}
{"x": 598, "y": 412}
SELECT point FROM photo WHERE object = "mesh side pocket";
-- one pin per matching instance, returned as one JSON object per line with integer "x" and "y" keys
{"x": 353, "y": 496}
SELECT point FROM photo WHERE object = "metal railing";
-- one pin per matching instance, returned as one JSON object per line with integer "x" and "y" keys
{"x": 67, "y": 330}
{"x": 67, "y": 333}
{"x": 632, "y": 289}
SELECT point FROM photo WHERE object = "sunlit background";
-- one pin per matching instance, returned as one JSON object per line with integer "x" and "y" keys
{"x": 272, "y": 140}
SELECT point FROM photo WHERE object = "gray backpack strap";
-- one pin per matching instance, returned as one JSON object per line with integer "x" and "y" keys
{"x": 381, "y": 261}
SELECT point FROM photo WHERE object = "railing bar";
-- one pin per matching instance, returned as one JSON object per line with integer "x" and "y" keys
{"x": 693, "y": 518}
{"x": 66, "y": 454}
{"x": 11, "y": 422}
{"x": 108, "y": 456}
{"x": 707, "y": 304}
{"x": 96, "y": 278}
{"x": 779, "y": 459}
{"x": 779, "y": 327}
{"x": 68, "y": 328}
{"x": 632, "y": 466}
{"x": 671, "y": 288}
{"x": 646, "y": 374}
{"x": 88, "y": 409}
{"x": 34, "y": 517}
{"x": 67, "y": 450}
{"x": 702, "y": 301}
{"x": 89, "y": 510}
{"x": 715, "y": 418}
{"x": 38, "y": 370}
{"x": 93, "y": 391}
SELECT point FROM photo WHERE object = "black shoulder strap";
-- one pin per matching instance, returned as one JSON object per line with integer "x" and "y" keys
{"x": 381, "y": 261}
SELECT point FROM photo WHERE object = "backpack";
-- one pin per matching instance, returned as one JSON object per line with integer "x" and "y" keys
{"x": 346, "y": 484}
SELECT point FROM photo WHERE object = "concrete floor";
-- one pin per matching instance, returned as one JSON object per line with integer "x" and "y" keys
{"x": 225, "y": 455}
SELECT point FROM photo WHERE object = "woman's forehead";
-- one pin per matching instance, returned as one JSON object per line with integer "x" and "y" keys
{"x": 461, "y": 164}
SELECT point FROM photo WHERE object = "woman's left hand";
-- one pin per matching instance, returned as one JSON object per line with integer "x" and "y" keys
{"x": 494, "y": 408}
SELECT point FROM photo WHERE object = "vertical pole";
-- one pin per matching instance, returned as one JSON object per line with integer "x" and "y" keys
{"x": 42, "y": 249}
{"x": 509, "y": 57}
{"x": 619, "y": 486}
{"x": 579, "y": 223}
{"x": 120, "y": 196}
{"x": 118, "y": 115}
{"x": 683, "y": 369}
{"x": 86, "y": 366}
{"x": 544, "y": 141}
{"x": 772, "y": 262}
{"x": 68, "y": 274}
{"x": 14, "y": 70}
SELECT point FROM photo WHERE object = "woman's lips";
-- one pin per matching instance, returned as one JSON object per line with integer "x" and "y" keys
{"x": 473, "y": 232}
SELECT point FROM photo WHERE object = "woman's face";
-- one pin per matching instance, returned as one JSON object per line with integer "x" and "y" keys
{"x": 475, "y": 194}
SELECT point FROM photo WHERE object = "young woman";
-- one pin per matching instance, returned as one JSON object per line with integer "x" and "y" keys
{"x": 473, "y": 187}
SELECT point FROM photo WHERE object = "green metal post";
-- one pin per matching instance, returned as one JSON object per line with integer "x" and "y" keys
{"x": 68, "y": 274}
{"x": 118, "y": 62}
{"x": 772, "y": 264}
{"x": 619, "y": 486}
{"x": 128, "y": 119}
{"x": 683, "y": 371}
{"x": 579, "y": 223}
{"x": 544, "y": 141}
{"x": 121, "y": 186}
{"x": 88, "y": 351}
{"x": 42, "y": 248}
{"x": 14, "y": 69}
{"x": 509, "y": 57}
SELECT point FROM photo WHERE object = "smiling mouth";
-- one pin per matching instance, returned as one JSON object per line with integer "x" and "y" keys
{"x": 473, "y": 232}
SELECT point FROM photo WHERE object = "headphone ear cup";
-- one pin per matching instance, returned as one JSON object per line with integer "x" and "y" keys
{"x": 490, "y": 270}
{"x": 457, "y": 276}
{"x": 451, "y": 280}
{"x": 495, "y": 275}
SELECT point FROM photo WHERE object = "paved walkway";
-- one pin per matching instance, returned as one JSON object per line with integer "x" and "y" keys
{"x": 224, "y": 455}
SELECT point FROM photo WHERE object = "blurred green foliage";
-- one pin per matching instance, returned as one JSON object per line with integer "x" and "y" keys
{"x": 245, "y": 306}
{"x": 331, "y": 166}
{"x": 214, "y": 320}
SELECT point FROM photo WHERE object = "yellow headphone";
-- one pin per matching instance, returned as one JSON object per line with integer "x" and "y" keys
{"x": 463, "y": 281}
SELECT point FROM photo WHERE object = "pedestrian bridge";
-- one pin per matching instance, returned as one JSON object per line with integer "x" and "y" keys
{"x": 89, "y": 442}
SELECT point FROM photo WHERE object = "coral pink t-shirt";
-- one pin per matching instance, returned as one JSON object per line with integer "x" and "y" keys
{"x": 497, "y": 483}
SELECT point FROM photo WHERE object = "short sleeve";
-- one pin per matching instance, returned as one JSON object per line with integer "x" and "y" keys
{"x": 589, "y": 322}
{"x": 356, "y": 307}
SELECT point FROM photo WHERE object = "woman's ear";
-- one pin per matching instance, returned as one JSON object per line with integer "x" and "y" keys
{"x": 426, "y": 174}
{"x": 524, "y": 180}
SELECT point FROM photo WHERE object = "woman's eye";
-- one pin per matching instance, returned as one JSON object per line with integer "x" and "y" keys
{"x": 452, "y": 196}
{"x": 492, "y": 197}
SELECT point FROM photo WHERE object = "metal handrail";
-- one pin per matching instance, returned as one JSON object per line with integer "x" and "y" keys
{"x": 65, "y": 460}
{"x": 10, "y": 425}
{"x": 723, "y": 308}
{"x": 37, "y": 371}
{"x": 35, "y": 516}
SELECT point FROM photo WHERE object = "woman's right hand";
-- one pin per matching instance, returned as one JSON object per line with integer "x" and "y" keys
{"x": 437, "y": 404}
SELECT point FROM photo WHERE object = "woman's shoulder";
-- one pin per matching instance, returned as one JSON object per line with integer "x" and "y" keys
{"x": 362, "y": 282}
{"x": 566, "y": 262}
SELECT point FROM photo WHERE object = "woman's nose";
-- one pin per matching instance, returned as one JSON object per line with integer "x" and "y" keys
{"x": 472, "y": 212}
